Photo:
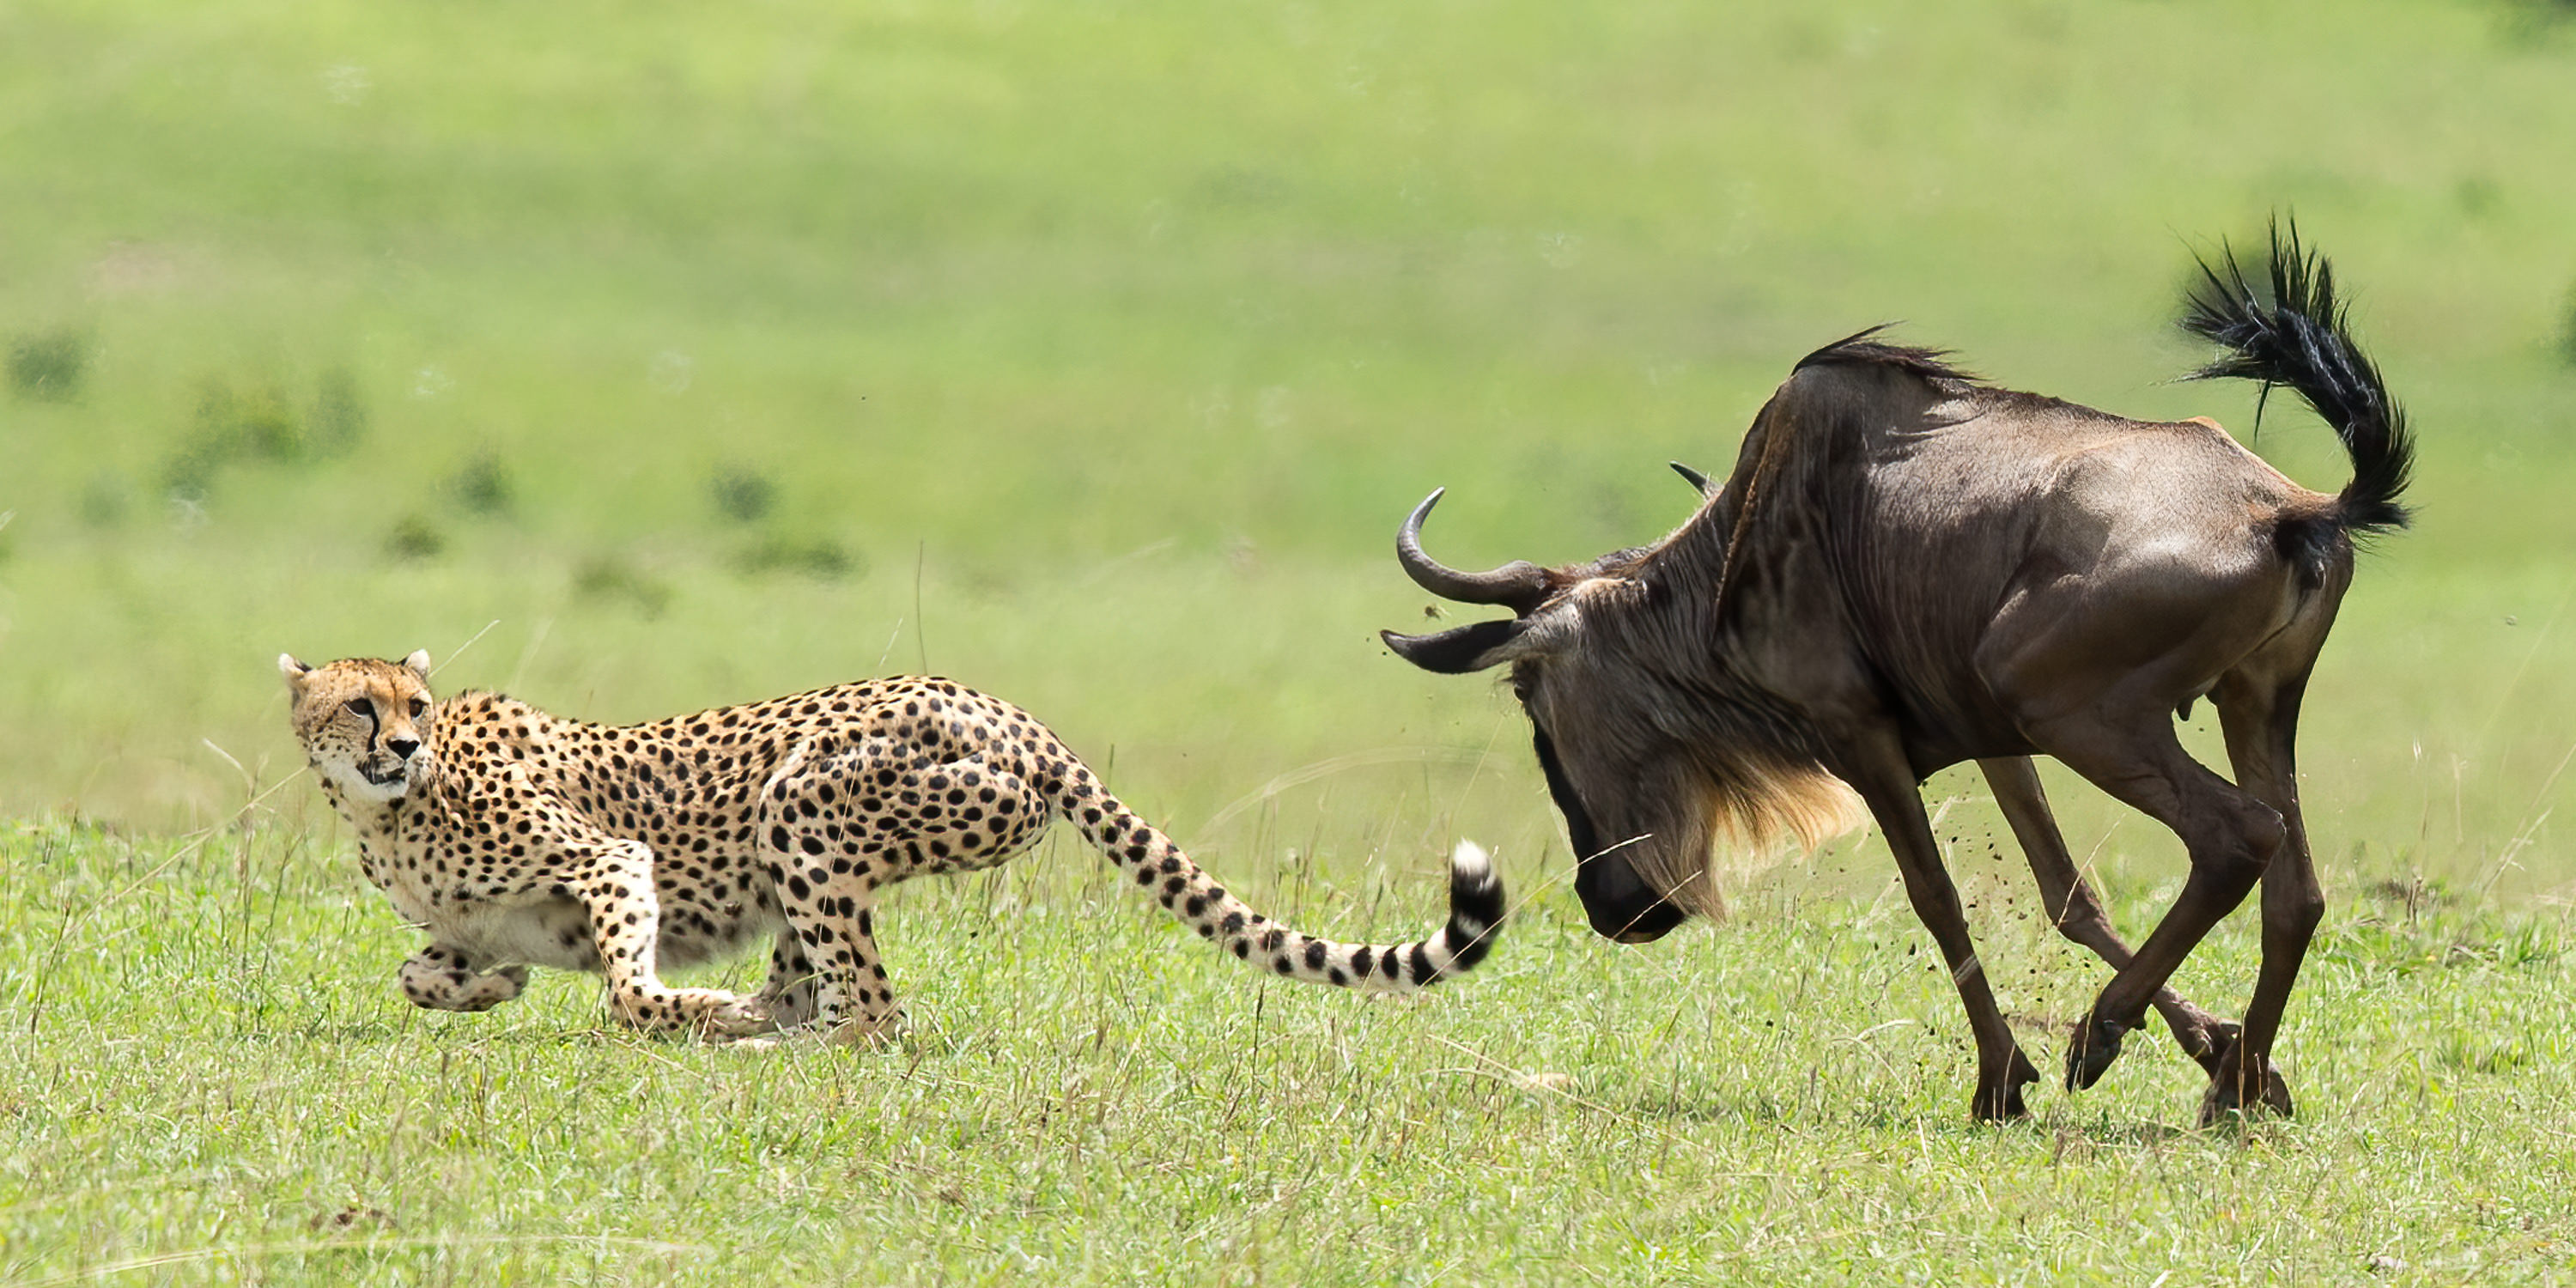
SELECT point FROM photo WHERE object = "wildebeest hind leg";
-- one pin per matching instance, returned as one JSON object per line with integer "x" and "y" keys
{"x": 2231, "y": 836}
{"x": 2260, "y": 717}
{"x": 1886, "y": 782}
{"x": 2075, "y": 911}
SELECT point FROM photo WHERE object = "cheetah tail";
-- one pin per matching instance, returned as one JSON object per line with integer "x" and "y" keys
{"x": 1190, "y": 894}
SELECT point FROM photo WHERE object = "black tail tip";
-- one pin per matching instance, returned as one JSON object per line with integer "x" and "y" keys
{"x": 2287, "y": 326}
{"x": 1475, "y": 905}
{"x": 2246, "y": 309}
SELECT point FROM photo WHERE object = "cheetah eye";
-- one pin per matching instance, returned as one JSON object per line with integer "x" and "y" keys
{"x": 359, "y": 707}
{"x": 418, "y": 707}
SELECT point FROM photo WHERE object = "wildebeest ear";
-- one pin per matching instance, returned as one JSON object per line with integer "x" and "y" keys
{"x": 419, "y": 663}
{"x": 1466, "y": 648}
{"x": 293, "y": 670}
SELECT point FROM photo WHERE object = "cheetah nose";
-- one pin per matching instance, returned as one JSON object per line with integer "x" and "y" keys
{"x": 402, "y": 748}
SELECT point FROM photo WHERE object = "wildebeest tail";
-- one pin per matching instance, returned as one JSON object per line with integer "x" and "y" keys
{"x": 1151, "y": 859}
{"x": 2296, "y": 334}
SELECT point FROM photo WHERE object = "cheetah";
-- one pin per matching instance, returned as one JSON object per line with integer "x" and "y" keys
{"x": 516, "y": 838}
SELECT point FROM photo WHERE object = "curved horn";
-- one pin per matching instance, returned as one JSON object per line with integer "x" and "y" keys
{"x": 1520, "y": 584}
{"x": 1692, "y": 476}
{"x": 1460, "y": 649}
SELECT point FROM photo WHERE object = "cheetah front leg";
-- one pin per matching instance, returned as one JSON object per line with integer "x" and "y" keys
{"x": 441, "y": 977}
{"x": 614, "y": 882}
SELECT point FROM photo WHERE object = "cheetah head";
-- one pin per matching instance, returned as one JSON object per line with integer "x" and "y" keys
{"x": 364, "y": 723}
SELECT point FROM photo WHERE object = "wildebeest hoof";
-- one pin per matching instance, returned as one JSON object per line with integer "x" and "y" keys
{"x": 2225, "y": 1098}
{"x": 2089, "y": 1056}
{"x": 1999, "y": 1098}
{"x": 2216, "y": 1038}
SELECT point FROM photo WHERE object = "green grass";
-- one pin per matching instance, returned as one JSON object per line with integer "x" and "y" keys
{"x": 641, "y": 357}
{"x": 210, "y": 1076}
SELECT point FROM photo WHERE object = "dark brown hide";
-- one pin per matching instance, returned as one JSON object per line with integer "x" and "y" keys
{"x": 1909, "y": 568}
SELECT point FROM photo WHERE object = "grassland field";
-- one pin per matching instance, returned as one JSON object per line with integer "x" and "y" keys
{"x": 635, "y": 358}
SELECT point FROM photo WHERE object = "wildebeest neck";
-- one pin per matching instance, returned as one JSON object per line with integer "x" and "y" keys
{"x": 1660, "y": 739}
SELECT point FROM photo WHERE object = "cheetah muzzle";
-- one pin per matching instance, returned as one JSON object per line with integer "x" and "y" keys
{"x": 517, "y": 838}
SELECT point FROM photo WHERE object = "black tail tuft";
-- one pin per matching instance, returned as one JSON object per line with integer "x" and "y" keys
{"x": 1475, "y": 907}
{"x": 2296, "y": 335}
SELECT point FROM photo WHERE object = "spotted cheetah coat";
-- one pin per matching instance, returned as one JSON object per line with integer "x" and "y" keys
{"x": 518, "y": 838}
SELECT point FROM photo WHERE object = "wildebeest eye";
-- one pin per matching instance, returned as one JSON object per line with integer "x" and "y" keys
{"x": 359, "y": 707}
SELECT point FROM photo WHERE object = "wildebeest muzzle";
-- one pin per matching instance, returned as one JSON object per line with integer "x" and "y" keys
{"x": 1620, "y": 904}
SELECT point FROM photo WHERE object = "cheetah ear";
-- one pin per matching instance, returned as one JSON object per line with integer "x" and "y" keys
{"x": 419, "y": 663}
{"x": 293, "y": 670}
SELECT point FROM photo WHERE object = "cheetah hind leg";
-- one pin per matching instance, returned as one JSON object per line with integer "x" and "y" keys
{"x": 828, "y": 900}
{"x": 837, "y": 827}
{"x": 840, "y": 981}
{"x": 789, "y": 996}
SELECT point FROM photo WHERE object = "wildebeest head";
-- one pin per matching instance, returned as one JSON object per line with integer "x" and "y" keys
{"x": 1648, "y": 758}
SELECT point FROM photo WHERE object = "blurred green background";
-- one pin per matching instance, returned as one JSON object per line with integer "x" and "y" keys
{"x": 674, "y": 356}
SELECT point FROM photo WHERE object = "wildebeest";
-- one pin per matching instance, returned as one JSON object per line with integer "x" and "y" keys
{"x": 1909, "y": 568}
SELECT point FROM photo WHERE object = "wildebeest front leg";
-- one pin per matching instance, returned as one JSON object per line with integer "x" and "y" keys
{"x": 2260, "y": 719}
{"x": 2078, "y": 915}
{"x": 1886, "y": 782}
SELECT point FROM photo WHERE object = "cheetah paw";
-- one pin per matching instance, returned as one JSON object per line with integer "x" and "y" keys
{"x": 488, "y": 991}
{"x": 887, "y": 1031}
{"x": 739, "y": 1017}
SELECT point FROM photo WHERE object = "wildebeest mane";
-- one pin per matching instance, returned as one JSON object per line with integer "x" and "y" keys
{"x": 1754, "y": 780}
{"x": 1865, "y": 347}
